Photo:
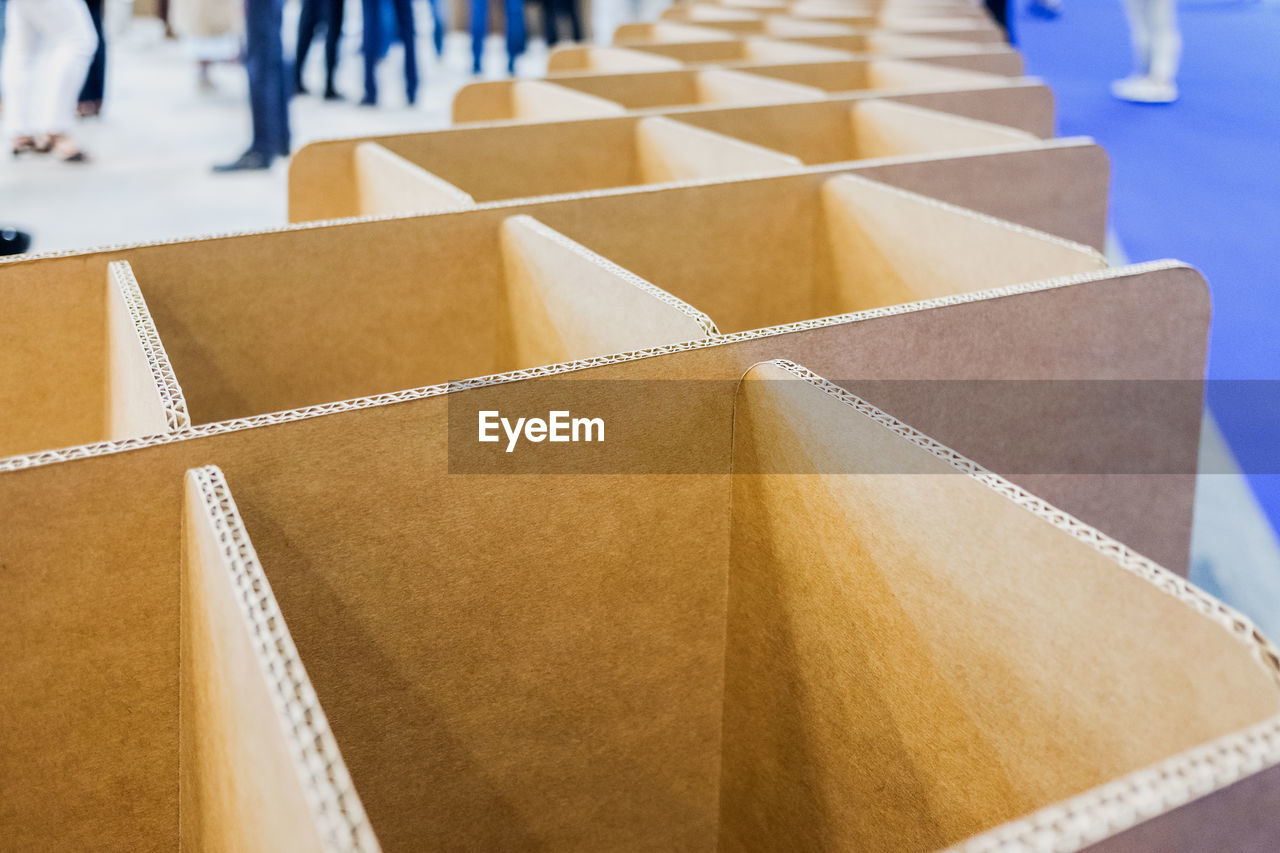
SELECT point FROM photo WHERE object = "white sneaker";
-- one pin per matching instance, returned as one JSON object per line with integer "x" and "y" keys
{"x": 1145, "y": 90}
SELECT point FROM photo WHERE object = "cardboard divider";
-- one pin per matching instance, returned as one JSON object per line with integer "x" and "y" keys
{"x": 259, "y": 769}
{"x": 387, "y": 183}
{"x": 143, "y": 395}
{"x": 573, "y": 156}
{"x": 568, "y": 303}
{"x": 887, "y": 129}
{"x": 81, "y": 363}
{"x": 496, "y": 100}
{"x": 780, "y": 251}
{"x": 357, "y": 521}
{"x": 664, "y": 32}
{"x": 672, "y": 151}
{"x": 636, "y": 91}
{"x": 713, "y": 52}
{"x": 919, "y": 652}
{"x": 855, "y": 75}
{"x": 604, "y": 59}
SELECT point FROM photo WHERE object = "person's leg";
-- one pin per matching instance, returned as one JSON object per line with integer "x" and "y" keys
{"x": 437, "y": 27}
{"x": 268, "y": 86}
{"x": 479, "y": 29}
{"x": 1139, "y": 36}
{"x": 21, "y": 53}
{"x": 370, "y": 45}
{"x": 516, "y": 38}
{"x": 67, "y": 31}
{"x": 999, "y": 10}
{"x": 409, "y": 37}
{"x": 549, "y": 33}
{"x": 95, "y": 81}
{"x": 308, "y": 17}
{"x": 1165, "y": 40}
{"x": 332, "y": 40}
{"x": 575, "y": 19}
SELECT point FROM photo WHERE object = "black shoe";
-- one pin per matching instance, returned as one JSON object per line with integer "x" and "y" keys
{"x": 299, "y": 89}
{"x": 249, "y": 161}
{"x": 368, "y": 101}
{"x": 13, "y": 241}
{"x": 333, "y": 95}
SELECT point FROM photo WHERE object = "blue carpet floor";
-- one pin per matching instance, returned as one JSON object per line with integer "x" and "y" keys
{"x": 1198, "y": 181}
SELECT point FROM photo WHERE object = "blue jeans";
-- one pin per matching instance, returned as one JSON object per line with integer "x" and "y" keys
{"x": 373, "y": 44}
{"x": 514, "y": 11}
{"x": 268, "y": 77}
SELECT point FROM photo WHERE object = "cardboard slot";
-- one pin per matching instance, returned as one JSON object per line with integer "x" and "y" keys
{"x": 686, "y": 87}
{"x": 605, "y": 60}
{"x": 671, "y": 151}
{"x": 774, "y": 254}
{"x": 886, "y": 129}
{"x": 143, "y": 394}
{"x": 718, "y": 52}
{"x": 642, "y": 33}
{"x": 907, "y": 662}
{"x": 80, "y": 363}
{"x": 567, "y": 303}
{"x": 387, "y": 183}
{"x": 258, "y": 766}
{"x": 849, "y": 76}
{"x": 572, "y": 156}
{"x": 351, "y": 509}
{"x": 498, "y": 100}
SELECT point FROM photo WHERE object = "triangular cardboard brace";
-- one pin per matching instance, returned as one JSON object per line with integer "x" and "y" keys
{"x": 865, "y": 642}
{"x": 349, "y": 501}
{"x": 329, "y": 180}
{"x": 396, "y": 305}
{"x": 501, "y": 100}
{"x": 746, "y": 52}
{"x": 81, "y": 362}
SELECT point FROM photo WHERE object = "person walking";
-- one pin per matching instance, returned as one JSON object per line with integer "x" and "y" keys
{"x": 95, "y": 82}
{"x": 269, "y": 87}
{"x": 1157, "y": 49}
{"x": 49, "y": 45}
{"x": 314, "y": 13}
{"x": 372, "y": 48}
{"x": 212, "y": 29}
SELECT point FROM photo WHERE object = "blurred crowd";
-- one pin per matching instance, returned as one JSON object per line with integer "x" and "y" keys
{"x": 53, "y": 57}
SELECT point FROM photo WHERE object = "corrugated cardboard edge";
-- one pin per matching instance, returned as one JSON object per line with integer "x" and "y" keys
{"x": 340, "y": 818}
{"x": 84, "y": 451}
{"x": 172, "y": 400}
{"x": 1145, "y": 794}
{"x": 570, "y": 245}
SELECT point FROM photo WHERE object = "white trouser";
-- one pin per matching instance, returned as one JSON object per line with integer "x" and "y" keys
{"x": 48, "y": 46}
{"x": 1157, "y": 43}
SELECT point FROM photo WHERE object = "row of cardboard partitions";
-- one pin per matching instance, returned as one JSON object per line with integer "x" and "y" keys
{"x": 879, "y": 542}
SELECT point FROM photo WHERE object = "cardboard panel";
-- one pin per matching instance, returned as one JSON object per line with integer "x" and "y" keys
{"x": 388, "y": 183}
{"x": 496, "y": 100}
{"x": 721, "y": 51}
{"x": 604, "y": 59}
{"x": 795, "y": 250}
{"x": 678, "y": 88}
{"x": 639, "y": 33}
{"x": 143, "y": 396}
{"x": 566, "y": 302}
{"x": 53, "y": 362}
{"x": 919, "y": 651}
{"x": 897, "y": 74}
{"x": 517, "y": 160}
{"x": 672, "y": 151}
{"x": 259, "y": 768}
{"x": 90, "y": 667}
{"x": 878, "y": 258}
{"x": 885, "y": 129}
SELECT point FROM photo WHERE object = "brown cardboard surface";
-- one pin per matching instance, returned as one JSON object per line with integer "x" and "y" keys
{"x": 253, "y": 776}
{"x": 605, "y": 59}
{"x": 387, "y": 183}
{"x": 672, "y": 151}
{"x": 908, "y": 661}
{"x": 438, "y": 313}
{"x": 506, "y": 161}
{"x": 526, "y": 99}
{"x": 358, "y": 525}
